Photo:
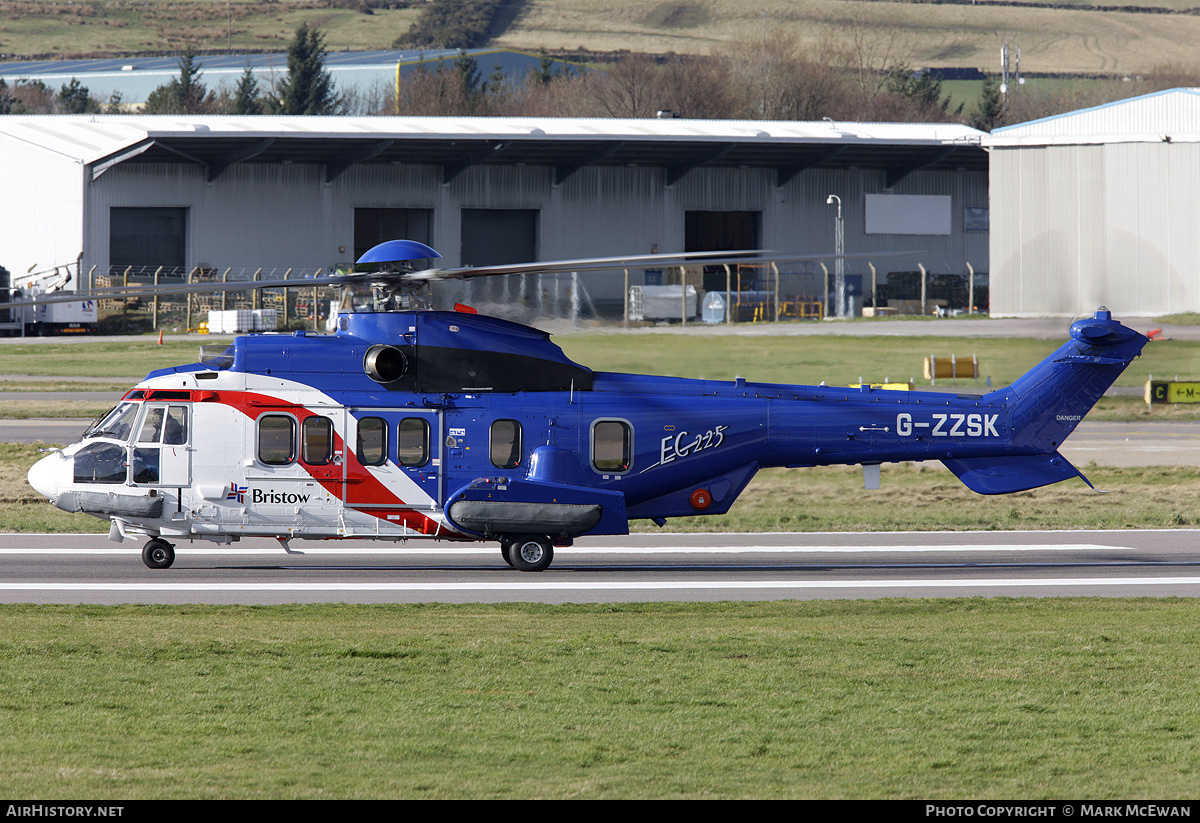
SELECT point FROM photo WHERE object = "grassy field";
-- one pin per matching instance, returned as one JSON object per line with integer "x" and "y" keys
{"x": 986, "y": 699}
{"x": 1095, "y": 37}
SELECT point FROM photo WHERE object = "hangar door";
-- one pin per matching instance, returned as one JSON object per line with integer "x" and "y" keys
{"x": 375, "y": 226}
{"x": 496, "y": 236}
{"x": 721, "y": 231}
{"x": 147, "y": 238}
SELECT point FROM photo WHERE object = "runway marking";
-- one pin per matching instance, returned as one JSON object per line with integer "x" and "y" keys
{"x": 490, "y": 550}
{"x": 543, "y": 585}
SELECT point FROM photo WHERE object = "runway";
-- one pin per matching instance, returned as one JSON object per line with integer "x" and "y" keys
{"x": 637, "y": 568}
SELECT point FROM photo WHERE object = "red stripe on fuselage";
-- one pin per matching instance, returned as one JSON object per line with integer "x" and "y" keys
{"x": 368, "y": 488}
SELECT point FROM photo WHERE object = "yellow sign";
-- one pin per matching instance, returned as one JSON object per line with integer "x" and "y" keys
{"x": 1163, "y": 391}
{"x": 885, "y": 386}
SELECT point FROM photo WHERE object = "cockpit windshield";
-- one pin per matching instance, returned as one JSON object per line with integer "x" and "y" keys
{"x": 117, "y": 423}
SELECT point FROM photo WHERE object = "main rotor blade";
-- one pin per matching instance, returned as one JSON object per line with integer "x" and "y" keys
{"x": 712, "y": 258}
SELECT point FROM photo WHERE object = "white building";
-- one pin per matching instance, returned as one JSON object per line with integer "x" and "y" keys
{"x": 120, "y": 191}
{"x": 1098, "y": 207}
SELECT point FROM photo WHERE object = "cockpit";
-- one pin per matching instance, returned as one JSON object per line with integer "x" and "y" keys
{"x": 127, "y": 445}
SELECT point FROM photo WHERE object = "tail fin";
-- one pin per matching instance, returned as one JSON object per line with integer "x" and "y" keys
{"x": 1047, "y": 403}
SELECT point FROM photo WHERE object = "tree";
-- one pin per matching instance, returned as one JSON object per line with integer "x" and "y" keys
{"x": 308, "y": 88}
{"x": 185, "y": 94}
{"x": 916, "y": 96}
{"x": 246, "y": 99}
{"x": 74, "y": 98}
{"x": 989, "y": 113}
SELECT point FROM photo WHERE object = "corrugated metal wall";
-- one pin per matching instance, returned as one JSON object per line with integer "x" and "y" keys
{"x": 41, "y": 210}
{"x": 258, "y": 215}
{"x": 1079, "y": 226}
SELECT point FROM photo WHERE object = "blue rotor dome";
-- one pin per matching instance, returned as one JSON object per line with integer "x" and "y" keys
{"x": 395, "y": 251}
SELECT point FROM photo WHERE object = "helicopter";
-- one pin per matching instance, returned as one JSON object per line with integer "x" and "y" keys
{"x": 451, "y": 425}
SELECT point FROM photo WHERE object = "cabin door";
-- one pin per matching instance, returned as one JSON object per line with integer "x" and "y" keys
{"x": 394, "y": 458}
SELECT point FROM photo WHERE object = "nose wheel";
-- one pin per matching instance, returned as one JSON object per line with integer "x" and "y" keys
{"x": 158, "y": 554}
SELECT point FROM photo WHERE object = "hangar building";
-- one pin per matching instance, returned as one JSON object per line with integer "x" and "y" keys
{"x": 118, "y": 191}
{"x": 1098, "y": 207}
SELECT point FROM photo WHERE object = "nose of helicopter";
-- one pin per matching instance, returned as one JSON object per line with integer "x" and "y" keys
{"x": 43, "y": 475}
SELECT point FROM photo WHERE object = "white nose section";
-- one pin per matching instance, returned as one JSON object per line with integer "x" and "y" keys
{"x": 43, "y": 475}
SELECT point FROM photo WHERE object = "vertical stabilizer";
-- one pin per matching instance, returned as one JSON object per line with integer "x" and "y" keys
{"x": 1048, "y": 402}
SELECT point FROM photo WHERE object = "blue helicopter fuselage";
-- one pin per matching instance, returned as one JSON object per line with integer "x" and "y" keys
{"x": 462, "y": 426}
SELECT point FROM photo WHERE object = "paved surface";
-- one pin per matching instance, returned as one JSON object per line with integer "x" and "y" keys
{"x": 645, "y": 567}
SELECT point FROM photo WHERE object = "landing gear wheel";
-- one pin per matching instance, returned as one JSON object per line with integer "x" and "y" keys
{"x": 158, "y": 554}
{"x": 531, "y": 553}
{"x": 506, "y": 545}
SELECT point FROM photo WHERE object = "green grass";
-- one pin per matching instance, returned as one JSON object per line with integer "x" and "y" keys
{"x": 840, "y": 360}
{"x": 988, "y": 699}
{"x": 117, "y": 26}
{"x": 99, "y": 357}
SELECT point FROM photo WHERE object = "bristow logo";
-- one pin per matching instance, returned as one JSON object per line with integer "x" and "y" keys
{"x": 272, "y": 496}
{"x": 236, "y": 492}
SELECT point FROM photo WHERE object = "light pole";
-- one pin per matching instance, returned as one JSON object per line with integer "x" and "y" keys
{"x": 839, "y": 249}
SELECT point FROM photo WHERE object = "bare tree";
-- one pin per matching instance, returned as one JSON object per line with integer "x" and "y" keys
{"x": 777, "y": 79}
{"x": 871, "y": 49}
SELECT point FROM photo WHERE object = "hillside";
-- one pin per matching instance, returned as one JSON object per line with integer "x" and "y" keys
{"x": 1107, "y": 38}
{"x": 1054, "y": 37}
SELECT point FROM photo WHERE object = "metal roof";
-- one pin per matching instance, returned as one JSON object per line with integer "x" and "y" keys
{"x": 1170, "y": 116}
{"x": 457, "y": 143}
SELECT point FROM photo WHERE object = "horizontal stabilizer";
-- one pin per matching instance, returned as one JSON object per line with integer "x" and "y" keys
{"x": 1002, "y": 475}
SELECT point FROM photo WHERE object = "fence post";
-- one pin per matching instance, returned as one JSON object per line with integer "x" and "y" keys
{"x": 125, "y": 299}
{"x": 682, "y": 296}
{"x": 775, "y": 267}
{"x": 155, "y": 313}
{"x": 874, "y": 302}
{"x": 728, "y": 302}
{"x": 924, "y": 310}
{"x": 625, "y": 299}
{"x": 970, "y": 290}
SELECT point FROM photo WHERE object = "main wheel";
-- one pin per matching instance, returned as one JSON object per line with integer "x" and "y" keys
{"x": 531, "y": 553}
{"x": 158, "y": 554}
{"x": 506, "y": 545}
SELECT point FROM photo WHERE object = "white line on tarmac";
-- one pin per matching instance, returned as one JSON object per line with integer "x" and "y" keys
{"x": 543, "y": 585}
{"x": 583, "y": 550}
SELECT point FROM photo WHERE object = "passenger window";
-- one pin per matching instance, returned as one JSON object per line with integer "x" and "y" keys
{"x": 412, "y": 442}
{"x": 612, "y": 445}
{"x": 318, "y": 440}
{"x": 506, "y": 444}
{"x": 276, "y": 439}
{"x": 372, "y": 441}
